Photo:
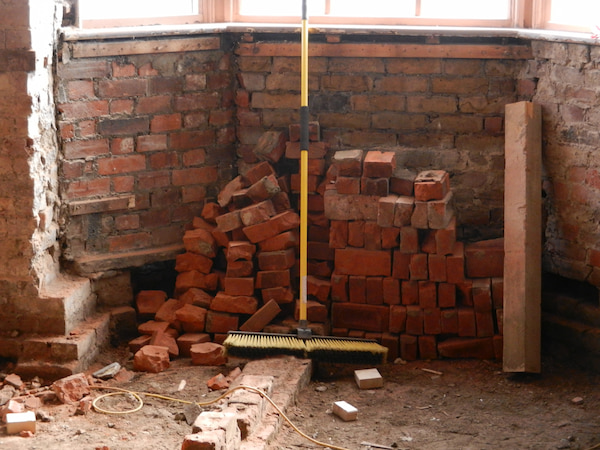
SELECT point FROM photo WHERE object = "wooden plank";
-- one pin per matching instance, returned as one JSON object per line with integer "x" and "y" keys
{"x": 522, "y": 238}
{"x": 142, "y": 47}
{"x": 82, "y": 207}
{"x": 477, "y": 51}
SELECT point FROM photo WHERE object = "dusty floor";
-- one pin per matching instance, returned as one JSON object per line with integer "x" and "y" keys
{"x": 467, "y": 405}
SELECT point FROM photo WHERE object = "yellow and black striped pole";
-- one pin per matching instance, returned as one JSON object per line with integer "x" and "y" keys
{"x": 303, "y": 330}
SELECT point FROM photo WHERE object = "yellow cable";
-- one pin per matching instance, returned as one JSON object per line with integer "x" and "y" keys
{"x": 137, "y": 396}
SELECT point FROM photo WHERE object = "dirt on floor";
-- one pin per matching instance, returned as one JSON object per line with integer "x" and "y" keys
{"x": 441, "y": 404}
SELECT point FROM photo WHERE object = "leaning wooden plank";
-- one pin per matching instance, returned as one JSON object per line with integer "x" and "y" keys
{"x": 522, "y": 238}
{"x": 96, "y": 49}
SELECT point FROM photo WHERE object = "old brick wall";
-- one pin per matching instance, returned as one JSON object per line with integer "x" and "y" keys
{"x": 568, "y": 78}
{"x": 442, "y": 112}
{"x": 146, "y": 138}
{"x": 28, "y": 162}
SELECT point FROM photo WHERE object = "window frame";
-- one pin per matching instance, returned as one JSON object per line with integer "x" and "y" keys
{"x": 524, "y": 14}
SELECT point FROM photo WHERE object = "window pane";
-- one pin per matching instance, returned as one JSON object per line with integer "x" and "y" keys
{"x": 373, "y": 8}
{"x": 466, "y": 9}
{"x": 280, "y": 7}
{"x": 575, "y": 12}
{"x": 122, "y": 9}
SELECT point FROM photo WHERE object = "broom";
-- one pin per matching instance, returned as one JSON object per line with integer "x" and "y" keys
{"x": 303, "y": 344}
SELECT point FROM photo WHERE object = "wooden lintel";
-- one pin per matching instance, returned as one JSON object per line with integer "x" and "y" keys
{"x": 79, "y": 208}
{"x": 141, "y": 47}
{"x": 470, "y": 51}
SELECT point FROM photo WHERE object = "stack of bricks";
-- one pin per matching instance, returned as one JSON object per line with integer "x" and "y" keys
{"x": 399, "y": 272}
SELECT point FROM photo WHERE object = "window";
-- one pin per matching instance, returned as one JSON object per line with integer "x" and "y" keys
{"x": 95, "y": 13}
{"x": 574, "y": 15}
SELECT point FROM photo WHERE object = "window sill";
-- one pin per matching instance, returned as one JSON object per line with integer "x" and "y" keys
{"x": 76, "y": 34}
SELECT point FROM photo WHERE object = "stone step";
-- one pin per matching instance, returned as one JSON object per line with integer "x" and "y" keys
{"x": 55, "y": 356}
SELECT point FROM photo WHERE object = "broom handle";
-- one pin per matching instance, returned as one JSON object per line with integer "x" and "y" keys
{"x": 304, "y": 166}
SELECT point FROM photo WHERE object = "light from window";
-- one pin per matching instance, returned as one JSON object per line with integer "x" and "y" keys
{"x": 584, "y": 13}
{"x": 465, "y": 9}
{"x": 125, "y": 9}
{"x": 372, "y": 8}
{"x": 280, "y": 8}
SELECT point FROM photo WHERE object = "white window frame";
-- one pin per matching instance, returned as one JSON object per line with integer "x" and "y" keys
{"x": 524, "y": 14}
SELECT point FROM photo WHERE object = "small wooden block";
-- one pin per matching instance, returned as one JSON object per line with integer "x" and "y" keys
{"x": 345, "y": 411}
{"x": 17, "y": 422}
{"x": 368, "y": 378}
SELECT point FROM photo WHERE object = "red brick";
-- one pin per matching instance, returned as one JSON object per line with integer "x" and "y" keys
{"x": 427, "y": 294}
{"x": 401, "y": 265}
{"x": 445, "y": 238}
{"x": 348, "y": 162}
{"x": 410, "y": 292}
{"x": 284, "y": 221}
{"x": 237, "y": 250}
{"x": 392, "y": 343}
{"x": 455, "y": 264}
{"x": 338, "y": 234}
{"x": 409, "y": 347}
{"x": 166, "y": 312}
{"x": 314, "y": 131}
{"x": 372, "y": 236}
{"x": 153, "y": 105}
{"x": 84, "y": 109}
{"x": 238, "y": 286}
{"x": 257, "y": 213}
{"x": 379, "y": 187}
{"x": 390, "y": 238}
{"x": 498, "y": 292}
{"x": 409, "y": 240}
{"x": 128, "y": 242}
{"x": 485, "y": 259}
{"x": 339, "y": 287}
{"x": 165, "y": 122}
{"x": 135, "y": 344}
{"x": 238, "y": 304}
{"x": 263, "y": 189}
{"x": 403, "y": 211}
{"x": 356, "y": 233}
{"x": 185, "y": 342}
{"x": 151, "y": 358}
{"x": 431, "y": 185}
{"x": 480, "y": 348}
{"x": 347, "y": 185}
{"x": 351, "y": 262}
{"x": 280, "y": 294}
{"x": 449, "y": 321}
{"x": 318, "y": 288}
{"x": 151, "y": 326}
{"x": 272, "y": 278}
{"x": 210, "y": 211}
{"x": 440, "y": 212}
{"x": 320, "y": 251}
{"x": 218, "y": 322}
{"x": 374, "y": 290}
{"x": 315, "y": 311}
{"x": 197, "y": 297}
{"x": 287, "y": 239}
{"x": 201, "y": 242}
{"x": 397, "y": 319}
{"x": 414, "y": 320}
{"x": 318, "y": 233}
{"x": 151, "y": 143}
{"x": 277, "y": 260}
{"x": 379, "y": 164}
{"x": 270, "y": 146}
{"x": 485, "y": 323}
{"x": 437, "y": 268}
{"x": 312, "y": 183}
{"x": 446, "y": 295}
{"x": 195, "y": 279}
{"x": 391, "y": 291}
{"x": 432, "y": 321}
{"x": 240, "y": 268}
{"x": 464, "y": 293}
{"x": 316, "y": 203}
{"x": 360, "y": 317}
{"x": 428, "y": 347}
{"x": 88, "y": 148}
{"x": 350, "y": 207}
{"x": 192, "y": 318}
{"x": 257, "y": 172}
{"x": 402, "y": 182}
{"x": 262, "y": 317}
{"x": 281, "y": 202}
{"x": 193, "y": 261}
{"x": 196, "y": 175}
{"x": 316, "y": 150}
{"x": 466, "y": 322}
{"x": 418, "y": 266}
{"x": 482, "y": 295}
{"x": 419, "y": 218}
{"x": 208, "y": 354}
{"x": 150, "y": 301}
{"x": 357, "y": 289}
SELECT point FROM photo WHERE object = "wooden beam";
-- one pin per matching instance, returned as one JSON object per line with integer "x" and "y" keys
{"x": 470, "y": 51}
{"x": 522, "y": 238}
{"x": 142, "y": 47}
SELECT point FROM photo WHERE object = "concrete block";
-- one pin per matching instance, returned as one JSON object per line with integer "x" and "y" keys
{"x": 17, "y": 422}
{"x": 368, "y": 379}
{"x": 345, "y": 411}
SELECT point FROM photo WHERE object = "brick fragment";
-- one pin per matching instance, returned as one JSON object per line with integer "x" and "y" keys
{"x": 149, "y": 327}
{"x": 226, "y": 194}
{"x": 197, "y": 297}
{"x": 480, "y": 348}
{"x": 315, "y": 311}
{"x": 240, "y": 250}
{"x": 318, "y": 288}
{"x": 208, "y": 354}
{"x": 258, "y": 171}
{"x": 315, "y": 150}
{"x": 240, "y": 268}
{"x": 187, "y": 261}
{"x": 218, "y": 322}
{"x": 279, "y": 223}
{"x": 71, "y": 389}
{"x": 192, "y": 318}
{"x": 282, "y": 241}
{"x": 151, "y": 358}
{"x": 185, "y": 342}
{"x": 257, "y": 213}
{"x": 350, "y": 207}
{"x": 200, "y": 241}
{"x": 229, "y": 221}
{"x": 167, "y": 340}
{"x": 314, "y": 131}
{"x": 211, "y": 211}
{"x": 149, "y": 301}
{"x": 280, "y": 294}
{"x": 270, "y": 146}
{"x": 167, "y": 312}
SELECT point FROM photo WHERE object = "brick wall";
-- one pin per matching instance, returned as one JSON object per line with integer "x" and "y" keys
{"x": 146, "y": 139}
{"x": 567, "y": 90}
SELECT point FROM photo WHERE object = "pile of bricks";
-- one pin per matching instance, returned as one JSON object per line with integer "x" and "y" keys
{"x": 384, "y": 261}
